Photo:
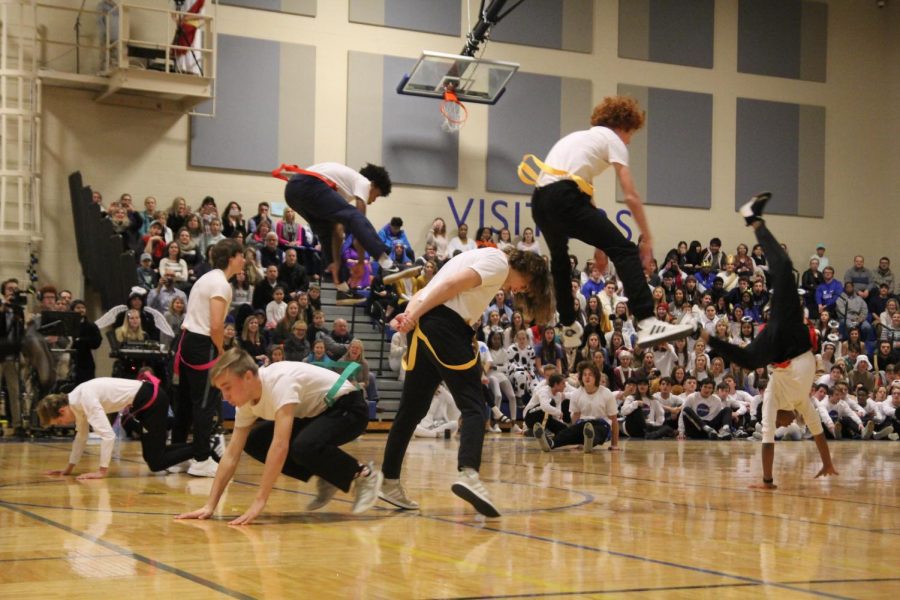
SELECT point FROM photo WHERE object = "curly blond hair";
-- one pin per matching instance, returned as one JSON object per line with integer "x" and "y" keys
{"x": 618, "y": 112}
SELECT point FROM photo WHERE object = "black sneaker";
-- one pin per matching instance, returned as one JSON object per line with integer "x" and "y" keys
{"x": 753, "y": 210}
{"x": 350, "y": 298}
{"x": 217, "y": 447}
{"x": 395, "y": 274}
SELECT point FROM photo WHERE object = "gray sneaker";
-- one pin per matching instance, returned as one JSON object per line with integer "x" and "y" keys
{"x": 588, "y": 437}
{"x": 325, "y": 492}
{"x": 868, "y": 430}
{"x": 469, "y": 488}
{"x": 884, "y": 433}
{"x": 367, "y": 489}
{"x": 392, "y": 492}
{"x": 541, "y": 436}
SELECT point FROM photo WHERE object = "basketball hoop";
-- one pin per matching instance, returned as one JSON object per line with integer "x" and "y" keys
{"x": 453, "y": 111}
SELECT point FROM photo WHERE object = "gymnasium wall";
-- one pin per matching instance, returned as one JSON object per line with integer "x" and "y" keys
{"x": 143, "y": 152}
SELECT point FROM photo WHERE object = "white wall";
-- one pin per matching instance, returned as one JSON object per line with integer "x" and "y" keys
{"x": 145, "y": 153}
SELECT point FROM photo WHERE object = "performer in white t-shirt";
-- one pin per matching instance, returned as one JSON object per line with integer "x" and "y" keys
{"x": 202, "y": 336}
{"x": 784, "y": 344}
{"x": 594, "y": 414}
{"x": 562, "y": 206}
{"x": 87, "y": 406}
{"x": 293, "y": 417}
{"x": 438, "y": 321}
{"x": 329, "y": 195}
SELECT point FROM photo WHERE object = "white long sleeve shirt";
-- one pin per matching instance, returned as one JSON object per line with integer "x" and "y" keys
{"x": 653, "y": 411}
{"x": 839, "y": 409}
{"x": 542, "y": 398}
{"x": 90, "y": 402}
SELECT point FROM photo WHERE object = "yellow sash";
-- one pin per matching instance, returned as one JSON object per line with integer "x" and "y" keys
{"x": 529, "y": 176}
{"x": 409, "y": 359}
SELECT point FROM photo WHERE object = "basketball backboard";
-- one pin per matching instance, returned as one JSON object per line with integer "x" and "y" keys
{"x": 471, "y": 79}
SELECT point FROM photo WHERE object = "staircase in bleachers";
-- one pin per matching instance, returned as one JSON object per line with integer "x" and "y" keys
{"x": 375, "y": 342}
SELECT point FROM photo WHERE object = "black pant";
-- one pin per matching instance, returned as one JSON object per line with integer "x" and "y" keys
{"x": 153, "y": 422}
{"x": 198, "y": 402}
{"x": 693, "y": 423}
{"x": 322, "y": 207}
{"x": 575, "y": 434}
{"x": 451, "y": 338}
{"x": 537, "y": 416}
{"x": 562, "y": 211}
{"x": 784, "y": 336}
{"x": 314, "y": 442}
{"x": 637, "y": 427}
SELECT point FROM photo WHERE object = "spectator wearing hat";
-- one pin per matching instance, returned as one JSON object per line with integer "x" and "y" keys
{"x": 862, "y": 374}
{"x": 820, "y": 256}
{"x": 147, "y": 277}
{"x": 706, "y": 276}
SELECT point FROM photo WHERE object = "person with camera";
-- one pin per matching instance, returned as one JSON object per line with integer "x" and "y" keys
{"x": 161, "y": 297}
{"x": 12, "y": 329}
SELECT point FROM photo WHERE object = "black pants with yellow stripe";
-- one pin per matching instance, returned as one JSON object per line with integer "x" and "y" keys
{"x": 451, "y": 338}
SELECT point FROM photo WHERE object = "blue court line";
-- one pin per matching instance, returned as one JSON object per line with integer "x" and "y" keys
{"x": 664, "y": 589}
{"x": 482, "y": 526}
{"x": 129, "y": 554}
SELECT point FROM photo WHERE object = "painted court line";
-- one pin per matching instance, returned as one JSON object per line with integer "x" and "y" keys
{"x": 665, "y": 563}
{"x": 129, "y": 554}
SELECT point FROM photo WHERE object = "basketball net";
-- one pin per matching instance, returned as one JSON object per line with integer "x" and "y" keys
{"x": 453, "y": 112}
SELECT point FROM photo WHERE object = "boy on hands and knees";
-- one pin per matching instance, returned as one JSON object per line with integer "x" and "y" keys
{"x": 305, "y": 412}
{"x": 594, "y": 413}
{"x": 89, "y": 403}
{"x": 785, "y": 344}
{"x": 438, "y": 322}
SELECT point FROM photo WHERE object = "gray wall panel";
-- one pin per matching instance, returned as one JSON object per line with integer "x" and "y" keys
{"x": 365, "y": 108}
{"x": 415, "y": 149}
{"x": 432, "y": 16}
{"x": 811, "y": 176}
{"x": 814, "y": 41}
{"x": 575, "y": 99}
{"x": 534, "y": 23}
{"x": 679, "y": 140}
{"x": 297, "y": 104}
{"x": 638, "y": 148}
{"x": 367, "y": 11}
{"x": 578, "y": 25}
{"x": 682, "y": 32}
{"x": 767, "y": 156}
{"x": 526, "y": 122}
{"x": 244, "y": 133}
{"x": 634, "y": 29}
{"x": 769, "y": 37}
{"x": 296, "y": 7}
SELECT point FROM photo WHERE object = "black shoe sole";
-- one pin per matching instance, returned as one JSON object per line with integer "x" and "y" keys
{"x": 482, "y": 506}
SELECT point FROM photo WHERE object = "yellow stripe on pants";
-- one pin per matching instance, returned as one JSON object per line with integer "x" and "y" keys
{"x": 409, "y": 359}
{"x": 529, "y": 175}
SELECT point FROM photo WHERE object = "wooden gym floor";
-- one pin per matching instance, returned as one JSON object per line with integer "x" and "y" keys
{"x": 661, "y": 519}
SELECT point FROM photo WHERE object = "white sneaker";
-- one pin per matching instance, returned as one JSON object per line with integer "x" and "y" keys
{"x": 367, "y": 489}
{"x": 392, "y": 492}
{"x": 495, "y": 428}
{"x": 571, "y": 335}
{"x": 207, "y": 468}
{"x": 516, "y": 429}
{"x": 757, "y": 435}
{"x": 180, "y": 467}
{"x": 469, "y": 488}
{"x": 653, "y": 331}
{"x": 886, "y": 432}
{"x": 753, "y": 210}
{"x": 325, "y": 492}
{"x": 724, "y": 433}
{"x": 588, "y": 437}
{"x": 894, "y": 437}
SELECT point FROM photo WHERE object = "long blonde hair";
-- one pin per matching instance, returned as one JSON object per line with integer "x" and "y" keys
{"x": 125, "y": 334}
